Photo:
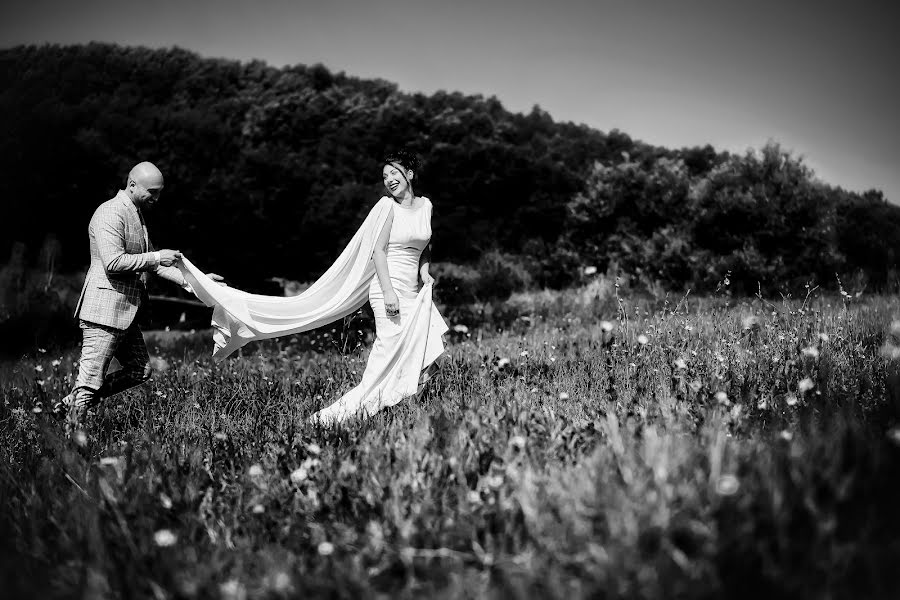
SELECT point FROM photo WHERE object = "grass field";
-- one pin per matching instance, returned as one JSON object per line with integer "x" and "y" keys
{"x": 573, "y": 445}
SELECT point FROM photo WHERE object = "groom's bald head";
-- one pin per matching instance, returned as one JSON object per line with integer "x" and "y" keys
{"x": 145, "y": 183}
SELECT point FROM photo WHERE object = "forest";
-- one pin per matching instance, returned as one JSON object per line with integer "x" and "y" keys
{"x": 269, "y": 171}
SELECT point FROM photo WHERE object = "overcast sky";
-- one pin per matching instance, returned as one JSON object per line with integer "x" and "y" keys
{"x": 818, "y": 77}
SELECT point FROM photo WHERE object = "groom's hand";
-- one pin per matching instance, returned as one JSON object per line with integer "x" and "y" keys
{"x": 218, "y": 279}
{"x": 167, "y": 258}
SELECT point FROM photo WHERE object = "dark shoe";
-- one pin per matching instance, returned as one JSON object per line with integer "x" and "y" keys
{"x": 61, "y": 407}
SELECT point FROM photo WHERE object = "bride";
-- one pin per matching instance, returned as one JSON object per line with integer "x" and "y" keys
{"x": 386, "y": 262}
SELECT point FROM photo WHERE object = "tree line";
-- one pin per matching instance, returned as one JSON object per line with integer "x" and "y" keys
{"x": 269, "y": 171}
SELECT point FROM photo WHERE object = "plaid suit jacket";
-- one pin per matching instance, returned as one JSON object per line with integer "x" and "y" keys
{"x": 120, "y": 253}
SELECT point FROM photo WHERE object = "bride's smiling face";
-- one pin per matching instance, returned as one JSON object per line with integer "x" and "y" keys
{"x": 395, "y": 180}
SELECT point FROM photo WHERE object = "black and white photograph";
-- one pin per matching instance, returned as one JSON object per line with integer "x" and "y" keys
{"x": 425, "y": 299}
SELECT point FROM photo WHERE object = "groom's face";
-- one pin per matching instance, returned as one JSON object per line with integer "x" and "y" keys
{"x": 147, "y": 190}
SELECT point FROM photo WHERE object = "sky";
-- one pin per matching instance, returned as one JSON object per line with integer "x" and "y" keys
{"x": 820, "y": 78}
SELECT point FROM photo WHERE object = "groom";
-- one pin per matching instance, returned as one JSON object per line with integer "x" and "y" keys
{"x": 114, "y": 294}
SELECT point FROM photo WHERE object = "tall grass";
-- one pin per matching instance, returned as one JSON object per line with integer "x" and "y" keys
{"x": 573, "y": 445}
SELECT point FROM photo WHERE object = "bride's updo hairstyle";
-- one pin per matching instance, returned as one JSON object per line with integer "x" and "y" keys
{"x": 403, "y": 158}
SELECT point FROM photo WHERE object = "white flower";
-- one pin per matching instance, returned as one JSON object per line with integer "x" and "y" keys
{"x": 786, "y": 435}
{"x": 326, "y": 548}
{"x": 563, "y": 396}
{"x": 258, "y": 509}
{"x": 721, "y": 397}
{"x": 591, "y": 270}
{"x": 642, "y": 340}
{"x": 502, "y": 363}
{"x": 164, "y": 538}
{"x": 460, "y": 328}
{"x": 806, "y": 385}
{"x": 790, "y": 399}
{"x": 80, "y": 438}
{"x": 313, "y": 449}
{"x": 810, "y": 352}
{"x": 523, "y": 353}
{"x": 474, "y": 497}
{"x": 39, "y": 368}
{"x": 255, "y": 471}
{"x": 517, "y": 442}
{"x": 824, "y": 337}
{"x": 680, "y": 364}
{"x": 606, "y": 326}
{"x": 728, "y": 485}
{"x": 55, "y": 362}
{"x": 165, "y": 501}
{"x": 299, "y": 475}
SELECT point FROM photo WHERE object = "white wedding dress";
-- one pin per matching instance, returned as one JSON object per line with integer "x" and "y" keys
{"x": 405, "y": 346}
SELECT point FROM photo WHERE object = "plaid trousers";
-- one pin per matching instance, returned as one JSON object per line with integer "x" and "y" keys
{"x": 100, "y": 344}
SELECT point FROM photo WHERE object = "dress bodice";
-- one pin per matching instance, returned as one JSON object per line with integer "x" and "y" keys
{"x": 411, "y": 229}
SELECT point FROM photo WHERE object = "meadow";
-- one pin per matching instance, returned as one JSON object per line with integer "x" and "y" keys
{"x": 579, "y": 444}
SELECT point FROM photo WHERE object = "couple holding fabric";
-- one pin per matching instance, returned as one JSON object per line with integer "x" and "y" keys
{"x": 386, "y": 262}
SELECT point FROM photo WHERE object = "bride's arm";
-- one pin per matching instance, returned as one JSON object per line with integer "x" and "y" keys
{"x": 425, "y": 265}
{"x": 381, "y": 269}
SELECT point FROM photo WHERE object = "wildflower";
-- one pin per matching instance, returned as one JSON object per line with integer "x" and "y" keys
{"x": 313, "y": 449}
{"x": 495, "y": 481}
{"x": 165, "y": 501}
{"x": 164, "y": 538}
{"x": 791, "y": 399}
{"x": 255, "y": 471}
{"x": 517, "y": 442}
{"x": 37, "y": 409}
{"x": 80, "y": 438}
{"x": 680, "y": 364}
{"x": 721, "y": 397}
{"x": 39, "y": 368}
{"x": 474, "y": 497}
{"x": 824, "y": 337}
{"x": 109, "y": 461}
{"x": 763, "y": 404}
{"x": 786, "y": 435}
{"x": 563, "y": 396}
{"x": 55, "y": 362}
{"x": 642, "y": 340}
{"x": 299, "y": 475}
{"x": 806, "y": 385}
{"x": 688, "y": 328}
{"x": 221, "y": 436}
{"x": 233, "y": 590}
{"x": 727, "y": 485}
{"x": 502, "y": 363}
{"x": 606, "y": 326}
{"x": 326, "y": 548}
{"x": 523, "y": 353}
{"x": 258, "y": 509}
{"x": 591, "y": 270}
{"x": 460, "y": 328}
{"x": 810, "y": 352}
{"x": 695, "y": 386}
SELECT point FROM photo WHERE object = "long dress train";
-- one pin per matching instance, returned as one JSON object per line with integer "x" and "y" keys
{"x": 405, "y": 346}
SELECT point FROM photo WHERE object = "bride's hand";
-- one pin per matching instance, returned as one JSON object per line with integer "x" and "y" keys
{"x": 391, "y": 304}
{"x": 218, "y": 279}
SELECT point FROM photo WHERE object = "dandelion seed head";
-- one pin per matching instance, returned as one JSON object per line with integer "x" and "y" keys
{"x": 721, "y": 397}
{"x": 164, "y": 538}
{"x": 642, "y": 340}
{"x": 326, "y": 548}
{"x": 255, "y": 471}
{"x": 727, "y": 485}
